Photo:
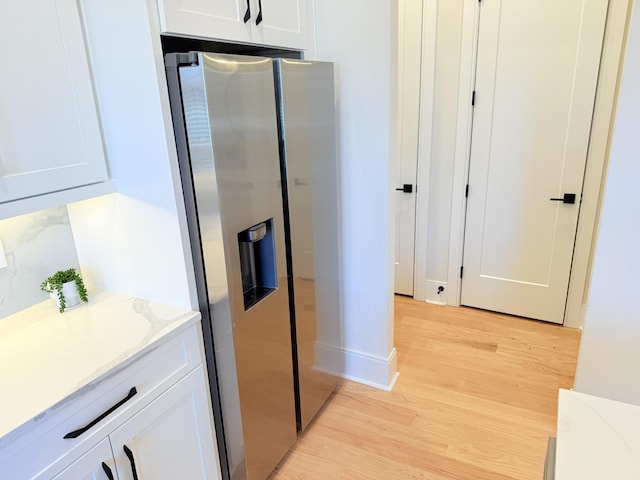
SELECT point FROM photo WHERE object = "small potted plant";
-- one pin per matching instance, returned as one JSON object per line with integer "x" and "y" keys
{"x": 67, "y": 287}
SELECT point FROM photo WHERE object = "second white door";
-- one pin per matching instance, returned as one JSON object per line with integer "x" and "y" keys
{"x": 409, "y": 58}
{"x": 535, "y": 88}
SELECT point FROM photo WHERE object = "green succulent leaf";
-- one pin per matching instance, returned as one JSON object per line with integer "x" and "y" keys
{"x": 53, "y": 284}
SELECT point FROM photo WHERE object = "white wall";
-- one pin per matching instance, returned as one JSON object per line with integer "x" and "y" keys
{"x": 36, "y": 246}
{"x": 358, "y": 37}
{"x": 131, "y": 242}
{"x": 609, "y": 359}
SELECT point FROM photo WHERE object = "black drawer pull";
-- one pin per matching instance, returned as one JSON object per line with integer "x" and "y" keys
{"x": 107, "y": 471}
{"x": 80, "y": 431}
{"x": 247, "y": 14}
{"x": 132, "y": 461}
{"x": 259, "y": 17}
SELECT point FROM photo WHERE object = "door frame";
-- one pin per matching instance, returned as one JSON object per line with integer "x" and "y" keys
{"x": 597, "y": 157}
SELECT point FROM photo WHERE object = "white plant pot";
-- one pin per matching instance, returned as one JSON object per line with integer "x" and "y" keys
{"x": 70, "y": 293}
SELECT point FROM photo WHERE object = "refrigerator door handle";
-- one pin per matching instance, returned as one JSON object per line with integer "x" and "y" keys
{"x": 247, "y": 14}
{"x": 259, "y": 17}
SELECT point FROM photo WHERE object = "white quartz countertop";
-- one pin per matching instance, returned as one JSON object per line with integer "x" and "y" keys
{"x": 46, "y": 356}
{"x": 597, "y": 438}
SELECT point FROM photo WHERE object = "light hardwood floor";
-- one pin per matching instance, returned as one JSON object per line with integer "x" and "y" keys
{"x": 476, "y": 400}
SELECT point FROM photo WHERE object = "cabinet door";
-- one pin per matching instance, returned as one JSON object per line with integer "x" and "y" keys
{"x": 50, "y": 136}
{"x": 283, "y": 24}
{"x": 219, "y": 19}
{"x": 171, "y": 438}
{"x": 96, "y": 464}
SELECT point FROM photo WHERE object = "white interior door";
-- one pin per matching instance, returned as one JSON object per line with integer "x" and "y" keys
{"x": 535, "y": 88}
{"x": 409, "y": 52}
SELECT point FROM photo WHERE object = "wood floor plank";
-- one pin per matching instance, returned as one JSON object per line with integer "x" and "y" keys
{"x": 476, "y": 399}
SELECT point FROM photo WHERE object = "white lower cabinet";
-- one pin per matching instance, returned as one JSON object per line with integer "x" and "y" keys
{"x": 166, "y": 439}
{"x": 96, "y": 464}
{"x": 149, "y": 419}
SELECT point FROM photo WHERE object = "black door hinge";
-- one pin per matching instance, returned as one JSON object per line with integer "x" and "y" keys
{"x": 466, "y": 191}
{"x": 473, "y": 99}
{"x": 461, "y": 270}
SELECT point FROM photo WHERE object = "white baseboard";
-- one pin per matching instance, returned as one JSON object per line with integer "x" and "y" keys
{"x": 433, "y": 296}
{"x": 378, "y": 372}
{"x": 583, "y": 315}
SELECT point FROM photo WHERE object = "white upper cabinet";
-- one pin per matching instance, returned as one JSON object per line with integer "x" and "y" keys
{"x": 283, "y": 23}
{"x": 50, "y": 137}
{"x": 219, "y": 19}
{"x": 279, "y": 23}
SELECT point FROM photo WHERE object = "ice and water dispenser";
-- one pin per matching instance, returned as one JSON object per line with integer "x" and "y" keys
{"x": 257, "y": 262}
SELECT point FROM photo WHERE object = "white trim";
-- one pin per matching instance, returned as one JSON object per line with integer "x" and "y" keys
{"x": 311, "y": 52}
{"x": 425, "y": 143}
{"x": 55, "y": 199}
{"x": 583, "y": 315}
{"x": 386, "y": 388}
{"x": 470, "y": 17}
{"x": 599, "y": 143}
{"x": 356, "y": 366}
{"x": 165, "y": 106}
{"x": 596, "y": 161}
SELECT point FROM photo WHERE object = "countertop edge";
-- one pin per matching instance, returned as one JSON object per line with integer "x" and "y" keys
{"x": 177, "y": 327}
{"x": 597, "y": 437}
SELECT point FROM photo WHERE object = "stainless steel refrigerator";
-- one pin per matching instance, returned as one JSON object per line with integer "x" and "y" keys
{"x": 256, "y": 148}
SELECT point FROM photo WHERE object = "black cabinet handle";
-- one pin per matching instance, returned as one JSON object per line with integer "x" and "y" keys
{"x": 569, "y": 198}
{"x": 107, "y": 471}
{"x": 80, "y": 431}
{"x": 259, "y": 17}
{"x": 406, "y": 188}
{"x": 129, "y": 454}
{"x": 247, "y": 14}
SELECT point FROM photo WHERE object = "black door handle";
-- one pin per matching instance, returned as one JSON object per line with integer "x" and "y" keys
{"x": 566, "y": 198}
{"x": 132, "y": 461}
{"x": 107, "y": 471}
{"x": 80, "y": 431}
{"x": 406, "y": 188}
{"x": 259, "y": 17}
{"x": 247, "y": 14}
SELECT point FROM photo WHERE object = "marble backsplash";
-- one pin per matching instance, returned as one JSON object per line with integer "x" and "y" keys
{"x": 35, "y": 245}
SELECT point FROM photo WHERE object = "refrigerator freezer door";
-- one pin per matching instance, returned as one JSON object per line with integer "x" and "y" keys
{"x": 230, "y": 119}
{"x": 308, "y": 152}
